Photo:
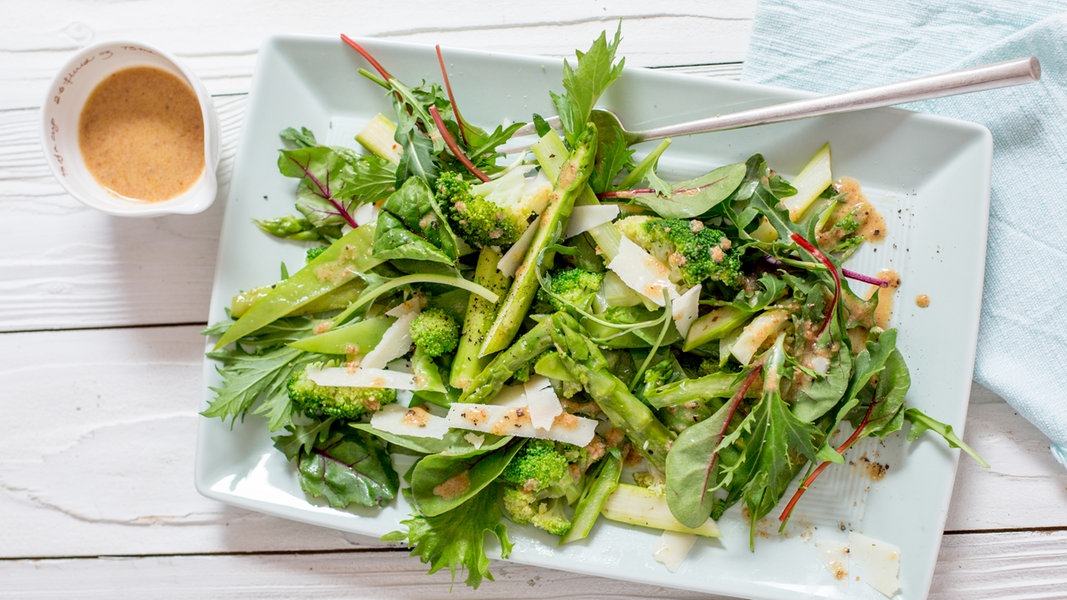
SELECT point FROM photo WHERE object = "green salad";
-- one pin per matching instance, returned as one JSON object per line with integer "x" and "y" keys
{"x": 551, "y": 338}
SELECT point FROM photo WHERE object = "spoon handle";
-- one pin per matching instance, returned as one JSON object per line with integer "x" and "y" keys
{"x": 987, "y": 77}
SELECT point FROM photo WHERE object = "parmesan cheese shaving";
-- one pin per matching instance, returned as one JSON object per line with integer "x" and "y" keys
{"x": 415, "y": 421}
{"x": 684, "y": 310}
{"x": 396, "y": 341}
{"x": 515, "y": 420}
{"x": 585, "y": 217}
{"x": 642, "y": 272}
{"x": 542, "y": 401}
{"x": 361, "y": 377}
{"x": 874, "y": 562}
{"x": 511, "y": 259}
{"x": 672, "y": 548}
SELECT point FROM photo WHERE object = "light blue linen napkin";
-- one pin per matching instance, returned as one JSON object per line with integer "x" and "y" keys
{"x": 828, "y": 46}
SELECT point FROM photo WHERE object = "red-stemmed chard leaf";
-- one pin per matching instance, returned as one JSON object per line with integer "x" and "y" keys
{"x": 453, "y": 146}
{"x": 322, "y": 189}
{"x": 788, "y": 510}
{"x": 864, "y": 278}
{"x": 846, "y": 273}
{"x": 686, "y": 199}
{"x": 451, "y": 97}
{"x": 693, "y": 457}
{"x": 367, "y": 56}
{"x": 811, "y": 249}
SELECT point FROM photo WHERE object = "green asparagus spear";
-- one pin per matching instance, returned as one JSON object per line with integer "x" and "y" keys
{"x": 525, "y": 350}
{"x": 625, "y": 411}
{"x": 479, "y": 317}
{"x": 550, "y": 154}
{"x": 571, "y": 181}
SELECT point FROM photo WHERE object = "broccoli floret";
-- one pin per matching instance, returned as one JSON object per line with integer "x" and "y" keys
{"x": 342, "y": 402}
{"x": 540, "y": 481}
{"x": 537, "y": 466}
{"x": 314, "y": 252}
{"x": 525, "y": 508}
{"x": 572, "y": 287}
{"x": 660, "y": 373}
{"x": 435, "y": 331}
{"x": 494, "y": 213}
{"x": 694, "y": 252}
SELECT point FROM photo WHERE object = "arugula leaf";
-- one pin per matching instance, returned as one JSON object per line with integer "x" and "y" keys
{"x": 659, "y": 185}
{"x": 921, "y": 422}
{"x": 345, "y": 467}
{"x": 583, "y": 85}
{"x": 759, "y": 194}
{"x": 456, "y": 539}
{"x": 611, "y": 159}
{"x": 481, "y": 146}
{"x": 768, "y": 205}
{"x": 416, "y": 133}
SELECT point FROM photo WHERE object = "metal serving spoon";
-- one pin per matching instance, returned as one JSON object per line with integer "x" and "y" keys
{"x": 986, "y": 77}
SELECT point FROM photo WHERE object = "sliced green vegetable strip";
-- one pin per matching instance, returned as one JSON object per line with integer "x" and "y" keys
{"x": 335, "y": 300}
{"x": 342, "y": 262}
{"x": 353, "y": 338}
{"x": 588, "y": 508}
{"x": 571, "y": 181}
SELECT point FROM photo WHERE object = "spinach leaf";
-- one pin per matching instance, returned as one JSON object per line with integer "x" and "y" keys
{"x": 411, "y": 226}
{"x": 695, "y": 197}
{"x": 345, "y": 467}
{"x": 441, "y": 482}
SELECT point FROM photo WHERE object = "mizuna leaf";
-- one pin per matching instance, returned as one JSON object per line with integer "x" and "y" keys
{"x": 583, "y": 85}
{"x": 456, "y": 539}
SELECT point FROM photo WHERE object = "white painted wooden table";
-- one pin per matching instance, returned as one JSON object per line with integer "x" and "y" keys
{"x": 100, "y": 354}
